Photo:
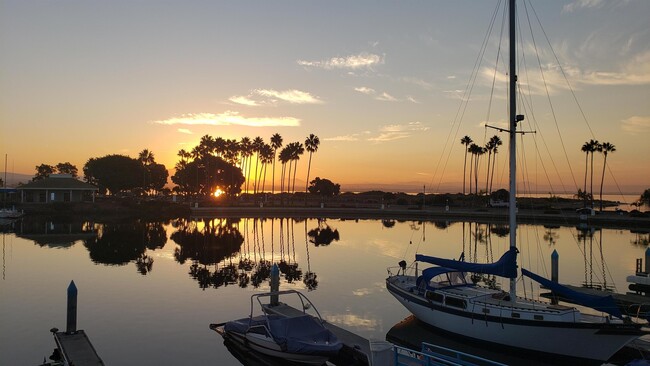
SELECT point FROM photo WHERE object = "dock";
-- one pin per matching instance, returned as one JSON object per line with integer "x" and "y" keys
{"x": 356, "y": 349}
{"x": 77, "y": 348}
{"x": 73, "y": 347}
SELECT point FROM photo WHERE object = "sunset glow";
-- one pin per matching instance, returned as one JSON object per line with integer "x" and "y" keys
{"x": 381, "y": 87}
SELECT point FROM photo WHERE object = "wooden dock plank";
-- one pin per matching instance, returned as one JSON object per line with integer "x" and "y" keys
{"x": 77, "y": 349}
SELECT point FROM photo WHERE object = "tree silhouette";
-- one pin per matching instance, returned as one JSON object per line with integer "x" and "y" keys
{"x": 276, "y": 143}
{"x": 67, "y": 168}
{"x": 117, "y": 173}
{"x": 466, "y": 140}
{"x": 604, "y": 148}
{"x": 311, "y": 144}
{"x": 43, "y": 171}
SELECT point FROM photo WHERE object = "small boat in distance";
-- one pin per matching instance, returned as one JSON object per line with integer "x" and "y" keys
{"x": 12, "y": 213}
{"x": 441, "y": 296}
{"x": 302, "y": 338}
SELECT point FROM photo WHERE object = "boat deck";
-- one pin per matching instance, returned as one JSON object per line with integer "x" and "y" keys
{"x": 353, "y": 344}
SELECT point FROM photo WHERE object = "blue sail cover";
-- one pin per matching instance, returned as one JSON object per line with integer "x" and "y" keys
{"x": 605, "y": 304}
{"x": 506, "y": 266}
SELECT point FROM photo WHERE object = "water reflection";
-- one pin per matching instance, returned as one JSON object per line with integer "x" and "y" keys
{"x": 124, "y": 242}
{"x": 61, "y": 233}
{"x": 239, "y": 252}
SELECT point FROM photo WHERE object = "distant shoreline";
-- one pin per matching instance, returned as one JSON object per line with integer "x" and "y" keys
{"x": 545, "y": 211}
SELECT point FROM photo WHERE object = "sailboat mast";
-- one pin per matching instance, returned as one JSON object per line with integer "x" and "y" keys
{"x": 512, "y": 207}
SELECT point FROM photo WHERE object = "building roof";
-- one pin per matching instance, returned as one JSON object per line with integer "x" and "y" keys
{"x": 59, "y": 181}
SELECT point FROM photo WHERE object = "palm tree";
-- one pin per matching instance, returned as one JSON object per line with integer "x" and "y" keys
{"x": 284, "y": 157}
{"x": 479, "y": 151}
{"x": 245, "y": 149}
{"x": 466, "y": 140}
{"x": 276, "y": 143}
{"x": 145, "y": 158}
{"x": 266, "y": 157}
{"x": 585, "y": 149}
{"x": 297, "y": 151}
{"x": 184, "y": 155}
{"x": 496, "y": 141}
{"x": 604, "y": 148}
{"x": 593, "y": 147}
{"x": 489, "y": 147}
{"x": 257, "y": 144}
{"x": 473, "y": 149}
{"x": 311, "y": 144}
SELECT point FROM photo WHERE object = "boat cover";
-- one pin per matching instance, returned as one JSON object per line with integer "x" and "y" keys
{"x": 506, "y": 266}
{"x": 243, "y": 325}
{"x": 305, "y": 335}
{"x": 605, "y": 304}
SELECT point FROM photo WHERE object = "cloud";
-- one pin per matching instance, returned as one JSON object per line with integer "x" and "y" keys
{"x": 259, "y": 97}
{"x": 292, "y": 96}
{"x": 396, "y": 132}
{"x": 412, "y": 100}
{"x": 365, "y": 90}
{"x": 580, "y": 4}
{"x": 185, "y": 131}
{"x": 244, "y": 100}
{"x": 635, "y": 71}
{"x": 636, "y": 124}
{"x": 386, "y": 97}
{"x": 354, "y": 62}
{"x": 352, "y": 137}
{"x": 229, "y": 118}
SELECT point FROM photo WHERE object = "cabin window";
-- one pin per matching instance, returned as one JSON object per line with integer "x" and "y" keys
{"x": 516, "y": 315}
{"x": 486, "y": 310}
{"x": 434, "y": 296}
{"x": 539, "y": 317}
{"x": 455, "y": 302}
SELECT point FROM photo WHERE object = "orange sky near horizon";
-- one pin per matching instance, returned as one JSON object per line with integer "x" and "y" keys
{"x": 380, "y": 84}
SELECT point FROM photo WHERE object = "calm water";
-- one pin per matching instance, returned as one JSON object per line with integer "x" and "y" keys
{"x": 147, "y": 291}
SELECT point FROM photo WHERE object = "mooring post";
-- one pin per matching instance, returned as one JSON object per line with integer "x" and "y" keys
{"x": 72, "y": 309}
{"x": 555, "y": 265}
{"x": 275, "y": 284}
{"x": 647, "y": 260}
{"x": 555, "y": 259}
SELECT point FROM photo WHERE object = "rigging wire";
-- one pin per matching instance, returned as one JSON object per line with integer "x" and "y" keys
{"x": 464, "y": 101}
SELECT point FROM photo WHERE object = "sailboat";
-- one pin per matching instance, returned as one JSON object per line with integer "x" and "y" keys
{"x": 442, "y": 297}
{"x": 8, "y": 213}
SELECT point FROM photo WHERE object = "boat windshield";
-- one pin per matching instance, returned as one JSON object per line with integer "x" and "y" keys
{"x": 432, "y": 280}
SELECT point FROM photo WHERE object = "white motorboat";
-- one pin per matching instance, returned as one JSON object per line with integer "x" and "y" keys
{"x": 302, "y": 338}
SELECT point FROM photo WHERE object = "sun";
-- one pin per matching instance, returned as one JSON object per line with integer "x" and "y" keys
{"x": 218, "y": 192}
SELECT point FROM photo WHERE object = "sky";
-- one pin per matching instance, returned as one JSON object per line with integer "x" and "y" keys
{"x": 389, "y": 87}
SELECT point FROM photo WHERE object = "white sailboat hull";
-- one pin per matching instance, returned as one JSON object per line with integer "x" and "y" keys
{"x": 570, "y": 339}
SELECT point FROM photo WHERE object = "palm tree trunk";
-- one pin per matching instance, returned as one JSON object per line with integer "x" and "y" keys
{"x": 494, "y": 159}
{"x": 471, "y": 169}
{"x": 273, "y": 175}
{"x": 591, "y": 182}
{"x": 308, "y": 169}
{"x": 487, "y": 176}
{"x": 464, "y": 170}
{"x": 602, "y": 179}
{"x": 295, "y": 169}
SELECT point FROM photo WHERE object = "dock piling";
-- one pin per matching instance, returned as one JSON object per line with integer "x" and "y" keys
{"x": 275, "y": 284}
{"x": 555, "y": 261}
{"x": 71, "y": 326}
